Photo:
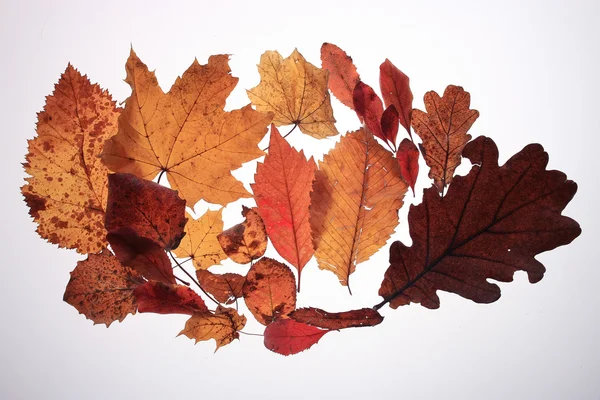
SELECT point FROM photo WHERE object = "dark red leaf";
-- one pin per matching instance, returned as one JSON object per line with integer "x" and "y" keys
{"x": 369, "y": 108}
{"x": 389, "y": 124}
{"x": 160, "y": 298}
{"x": 343, "y": 76}
{"x": 340, "y": 320}
{"x": 491, "y": 223}
{"x": 286, "y": 336}
{"x": 408, "y": 158}
{"x": 151, "y": 210}
{"x": 395, "y": 89}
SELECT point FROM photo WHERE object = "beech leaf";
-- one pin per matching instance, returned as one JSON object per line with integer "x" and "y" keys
{"x": 339, "y": 320}
{"x": 223, "y": 326}
{"x": 282, "y": 193}
{"x": 246, "y": 241}
{"x": 225, "y": 288}
{"x": 286, "y": 336}
{"x": 369, "y": 108}
{"x": 395, "y": 89}
{"x": 491, "y": 223}
{"x": 343, "y": 76}
{"x": 408, "y": 159}
{"x": 200, "y": 241}
{"x": 161, "y": 298}
{"x": 296, "y": 92}
{"x": 66, "y": 190}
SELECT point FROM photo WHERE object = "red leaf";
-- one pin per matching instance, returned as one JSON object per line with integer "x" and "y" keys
{"x": 340, "y": 320}
{"x": 142, "y": 254}
{"x": 160, "y": 298}
{"x": 491, "y": 223}
{"x": 408, "y": 158}
{"x": 395, "y": 89}
{"x": 389, "y": 124}
{"x": 286, "y": 336}
{"x": 151, "y": 210}
{"x": 343, "y": 76}
{"x": 369, "y": 108}
{"x": 282, "y": 193}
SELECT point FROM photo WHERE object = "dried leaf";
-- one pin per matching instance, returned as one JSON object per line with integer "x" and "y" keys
{"x": 389, "y": 124}
{"x": 142, "y": 254}
{"x": 395, "y": 89}
{"x": 149, "y": 209}
{"x": 340, "y": 320}
{"x": 443, "y": 130}
{"x": 286, "y": 336}
{"x": 186, "y": 133}
{"x": 102, "y": 289}
{"x": 408, "y": 159}
{"x": 282, "y": 193}
{"x": 355, "y": 201}
{"x": 200, "y": 240}
{"x": 246, "y": 241}
{"x": 343, "y": 76}
{"x": 296, "y": 92}
{"x": 225, "y": 288}
{"x": 223, "y": 326}
{"x": 270, "y": 290}
{"x": 369, "y": 108}
{"x": 161, "y": 298}
{"x": 491, "y": 223}
{"x": 66, "y": 190}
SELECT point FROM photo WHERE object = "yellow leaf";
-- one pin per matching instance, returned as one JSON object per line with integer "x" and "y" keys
{"x": 223, "y": 326}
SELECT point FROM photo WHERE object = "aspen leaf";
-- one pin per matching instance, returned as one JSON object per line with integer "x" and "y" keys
{"x": 66, "y": 190}
{"x": 282, "y": 191}
{"x": 102, "y": 289}
{"x": 296, "y": 92}
{"x": 408, "y": 159}
{"x": 200, "y": 241}
{"x": 286, "y": 336}
{"x": 225, "y": 288}
{"x": 356, "y": 196}
{"x": 223, "y": 326}
{"x": 343, "y": 76}
{"x": 395, "y": 89}
{"x": 443, "y": 130}
{"x": 270, "y": 290}
{"x": 162, "y": 298}
{"x": 339, "y": 320}
{"x": 246, "y": 241}
{"x": 186, "y": 133}
{"x": 474, "y": 234}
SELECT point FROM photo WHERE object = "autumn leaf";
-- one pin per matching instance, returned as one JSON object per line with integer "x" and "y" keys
{"x": 223, "y": 326}
{"x": 369, "y": 108}
{"x": 286, "y": 336}
{"x": 149, "y": 209}
{"x": 408, "y": 159}
{"x": 395, "y": 89}
{"x": 296, "y": 92}
{"x": 356, "y": 196}
{"x": 389, "y": 124}
{"x": 102, "y": 289}
{"x": 142, "y": 254}
{"x": 340, "y": 320}
{"x": 343, "y": 76}
{"x": 246, "y": 241}
{"x": 161, "y": 298}
{"x": 66, "y": 190}
{"x": 186, "y": 133}
{"x": 443, "y": 130}
{"x": 200, "y": 241}
{"x": 282, "y": 193}
{"x": 225, "y": 288}
{"x": 491, "y": 223}
{"x": 269, "y": 290}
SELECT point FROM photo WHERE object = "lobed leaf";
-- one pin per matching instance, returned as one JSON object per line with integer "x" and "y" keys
{"x": 200, "y": 241}
{"x": 223, "y": 326}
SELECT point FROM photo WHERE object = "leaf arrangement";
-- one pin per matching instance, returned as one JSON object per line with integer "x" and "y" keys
{"x": 91, "y": 188}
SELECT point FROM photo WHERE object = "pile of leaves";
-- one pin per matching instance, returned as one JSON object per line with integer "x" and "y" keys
{"x": 94, "y": 186}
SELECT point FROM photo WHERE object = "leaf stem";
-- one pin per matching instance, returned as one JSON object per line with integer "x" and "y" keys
{"x": 284, "y": 136}
{"x": 251, "y": 334}
{"x": 192, "y": 278}
{"x": 162, "y": 172}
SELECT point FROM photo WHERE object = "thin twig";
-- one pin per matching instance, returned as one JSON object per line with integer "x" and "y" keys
{"x": 286, "y": 135}
{"x": 251, "y": 334}
{"x": 193, "y": 279}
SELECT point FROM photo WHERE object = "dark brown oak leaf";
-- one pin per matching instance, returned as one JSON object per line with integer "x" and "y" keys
{"x": 491, "y": 223}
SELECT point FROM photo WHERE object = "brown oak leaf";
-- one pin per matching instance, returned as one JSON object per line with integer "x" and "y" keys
{"x": 246, "y": 241}
{"x": 66, "y": 190}
{"x": 225, "y": 288}
{"x": 491, "y": 223}
{"x": 223, "y": 325}
{"x": 200, "y": 241}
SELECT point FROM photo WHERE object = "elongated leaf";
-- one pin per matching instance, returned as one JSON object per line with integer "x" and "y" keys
{"x": 339, "y": 320}
{"x": 200, "y": 241}
{"x": 408, "y": 159}
{"x": 395, "y": 89}
{"x": 343, "y": 76}
{"x": 369, "y": 108}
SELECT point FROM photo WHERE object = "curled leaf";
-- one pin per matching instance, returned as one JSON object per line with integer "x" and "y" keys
{"x": 339, "y": 320}
{"x": 246, "y": 241}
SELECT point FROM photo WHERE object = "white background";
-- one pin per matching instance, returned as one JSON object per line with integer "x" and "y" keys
{"x": 532, "y": 70}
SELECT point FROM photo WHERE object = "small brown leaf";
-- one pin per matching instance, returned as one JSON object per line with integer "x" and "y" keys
{"x": 224, "y": 287}
{"x": 223, "y": 326}
{"x": 246, "y": 241}
{"x": 200, "y": 240}
{"x": 340, "y": 320}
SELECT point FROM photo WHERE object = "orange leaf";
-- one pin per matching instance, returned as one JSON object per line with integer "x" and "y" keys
{"x": 395, "y": 89}
{"x": 282, "y": 193}
{"x": 270, "y": 290}
{"x": 340, "y": 320}
{"x": 222, "y": 325}
{"x": 200, "y": 240}
{"x": 355, "y": 201}
{"x": 296, "y": 92}
{"x": 443, "y": 130}
{"x": 286, "y": 336}
{"x": 408, "y": 159}
{"x": 343, "y": 76}
{"x": 161, "y": 298}
{"x": 225, "y": 288}
{"x": 369, "y": 108}
{"x": 102, "y": 289}
{"x": 246, "y": 241}
{"x": 186, "y": 133}
{"x": 66, "y": 190}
